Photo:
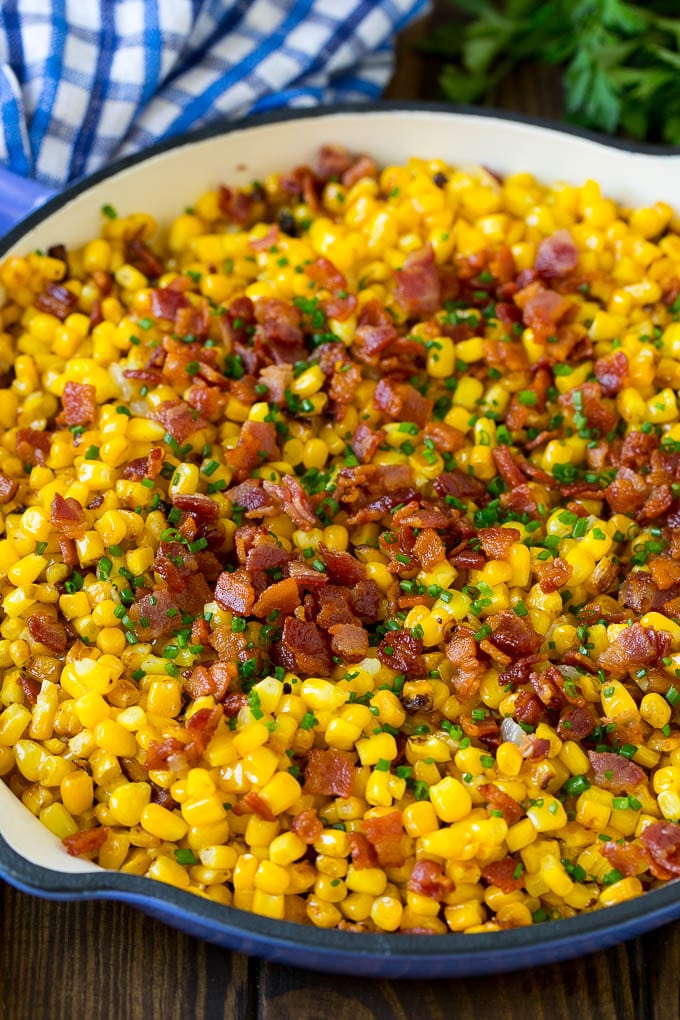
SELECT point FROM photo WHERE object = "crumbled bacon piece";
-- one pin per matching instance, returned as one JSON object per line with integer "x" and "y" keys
{"x": 255, "y": 804}
{"x": 402, "y": 402}
{"x": 180, "y": 420}
{"x": 139, "y": 255}
{"x": 307, "y": 825}
{"x": 458, "y": 485}
{"x": 497, "y": 542}
{"x": 501, "y": 801}
{"x": 374, "y": 333}
{"x": 445, "y": 438}
{"x": 166, "y": 302}
{"x": 277, "y": 379}
{"x": 461, "y": 650}
{"x": 303, "y": 648}
{"x": 402, "y": 652}
{"x": 281, "y": 597}
{"x": 362, "y": 852}
{"x": 67, "y": 516}
{"x": 332, "y": 161}
{"x": 575, "y": 723}
{"x": 342, "y": 567}
{"x": 80, "y": 404}
{"x": 48, "y": 631}
{"x": 428, "y": 879}
{"x": 33, "y": 446}
{"x": 417, "y": 288}
{"x": 256, "y": 445}
{"x": 634, "y": 647}
{"x": 542, "y": 309}
{"x": 366, "y": 441}
{"x": 235, "y": 591}
{"x": 349, "y": 642}
{"x": 29, "y": 686}
{"x": 202, "y": 508}
{"x": 628, "y": 858}
{"x": 87, "y": 841}
{"x": 8, "y": 488}
{"x": 556, "y": 255}
{"x": 507, "y": 874}
{"x": 385, "y": 833}
{"x": 513, "y": 635}
{"x": 293, "y": 500}
{"x": 614, "y": 772}
{"x": 554, "y": 574}
{"x": 330, "y": 773}
{"x": 528, "y": 708}
{"x": 662, "y": 841}
{"x": 611, "y": 372}
{"x": 57, "y": 300}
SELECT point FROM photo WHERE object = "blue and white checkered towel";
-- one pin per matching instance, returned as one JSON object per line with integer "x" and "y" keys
{"x": 83, "y": 81}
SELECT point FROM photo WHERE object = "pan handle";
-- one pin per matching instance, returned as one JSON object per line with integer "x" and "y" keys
{"x": 18, "y": 197}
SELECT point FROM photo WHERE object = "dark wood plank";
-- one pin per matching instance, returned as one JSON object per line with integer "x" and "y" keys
{"x": 604, "y": 986}
{"x": 105, "y": 961}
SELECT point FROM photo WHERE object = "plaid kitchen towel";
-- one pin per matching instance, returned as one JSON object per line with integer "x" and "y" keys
{"x": 83, "y": 81}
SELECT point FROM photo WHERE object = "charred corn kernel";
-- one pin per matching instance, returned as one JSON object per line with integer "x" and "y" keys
{"x": 164, "y": 824}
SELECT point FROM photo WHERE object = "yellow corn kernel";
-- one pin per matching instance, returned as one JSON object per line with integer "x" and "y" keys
{"x": 165, "y": 869}
{"x": 164, "y": 824}
{"x": 451, "y": 800}
{"x": 58, "y": 820}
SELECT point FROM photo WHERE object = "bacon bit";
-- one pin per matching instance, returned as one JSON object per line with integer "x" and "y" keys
{"x": 542, "y": 310}
{"x": 501, "y": 801}
{"x": 340, "y": 304}
{"x": 599, "y": 413}
{"x": 428, "y": 879}
{"x": 277, "y": 379}
{"x": 349, "y": 642}
{"x": 386, "y": 834}
{"x": 343, "y": 385}
{"x": 265, "y": 242}
{"x": 48, "y": 631}
{"x": 79, "y": 403}
{"x": 209, "y": 401}
{"x": 402, "y": 402}
{"x": 180, "y": 420}
{"x": 68, "y": 516}
{"x": 307, "y": 826}
{"x": 201, "y": 727}
{"x": 503, "y": 874}
{"x": 512, "y": 635}
{"x": 459, "y": 485}
{"x": 139, "y": 255}
{"x": 665, "y": 573}
{"x": 330, "y": 773}
{"x": 233, "y": 703}
{"x": 507, "y": 466}
{"x": 332, "y": 161}
{"x": 417, "y": 288}
{"x": 534, "y": 748}
{"x": 202, "y": 508}
{"x": 374, "y": 333}
{"x": 161, "y": 753}
{"x": 283, "y": 596}
{"x": 87, "y": 841}
{"x": 461, "y": 650}
{"x": 8, "y": 488}
{"x": 522, "y": 500}
{"x": 528, "y": 708}
{"x": 214, "y": 680}
{"x": 341, "y": 567}
{"x": 635, "y": 646}
{"x": 57, "y": 300}
{"x": 415, "y": 515}
{"x": 497, "y": 542}
{"x": 263, "y": 560}
{"x": 234, "y": 591}
{"x": 575, "y": 723}
{"x": 554, "y": 574}
{"x": 33, "y": 446}
{"x": 362, "y": 167}
{"x": 656, "y": 504}
{"x": 334, "y": 607}
{"x": 429, "y": 549}
{"x": 166, "y": 302}
{"x": 402, "y": 652}
{"x": 256, "y": 445}
{"x": 556, "y": 255}
{"x": 662, "y": 841}
{"x": 366, "y": 441}
{"x": 362, "y": 852}
{"x": 628, "y": 858}
{"x": 365, "y": 599}
{"x": 547, "y": 688}
{"x": 445, "y": 438}
{"x": 281, "y": 330}
{"x": 293, "y": 499}
{"x": 614, "y": 772}
{"x": 612, "y": 373}
{"x": 258, "y": 806}
{"x": 303, "y": 648}
{"x": 29, "y": 686}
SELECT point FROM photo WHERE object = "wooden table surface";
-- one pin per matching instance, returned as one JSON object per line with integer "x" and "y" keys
{"x": 104, "y": 961}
